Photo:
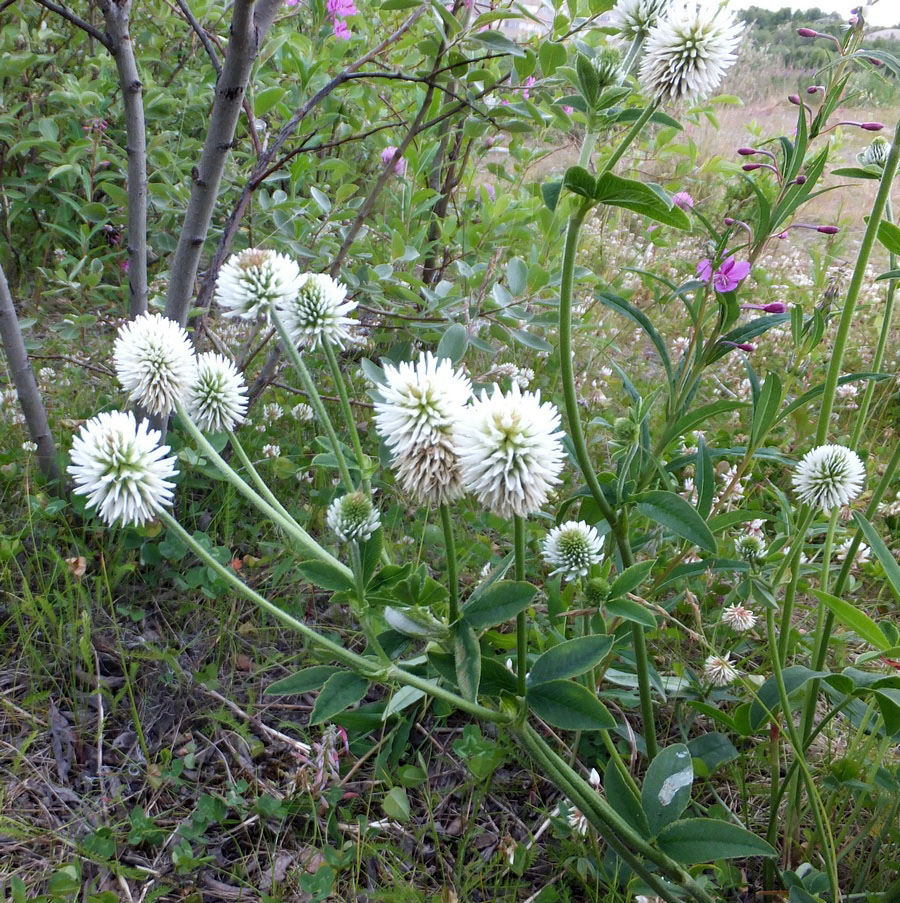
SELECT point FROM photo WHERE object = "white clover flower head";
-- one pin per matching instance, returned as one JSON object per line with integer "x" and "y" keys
{"x": 862, "y": 555}
{"x": 577, "y": 821}
{"x": 418, "y": 409}
{"x": 572, "y": 549}
{"x": 688, "y": 50}
{"x": 876, "y": 153}
{"x": 302, "y": 412}
{"x": 121, "y": 468}
{"x": 353, "y": 517}
{"x": 750, "y": 546}
{"x": 719, "y": 670}
{"x": 635, "y": 18}
{"x": 272, "y": 411}
{"x": 251, "y": 282}
{"x": 316, "y": 311}
{"x": 271, "y": 451}
{"x": 154, "y": 361}
{"x": 510, "y": 450}
{"x": 829, "y": 476}
{"x": 217, "y": 397}
{"x": 29, "y": 447}
{"x": 739, "y": 618}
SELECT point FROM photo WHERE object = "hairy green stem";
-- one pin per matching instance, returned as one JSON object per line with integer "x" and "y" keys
{"x": 452, "y": 571}
{"x": 367, "y": 667}
{"x": 347, "y": 411}
{"x": 856, "y": 281}
{"x": 632, "y": 133}
{"x": 521, "y": 623}
{"x": 793, "y": 561}
{"x": 287, "y": 524}
{"x": 314, "y": 399}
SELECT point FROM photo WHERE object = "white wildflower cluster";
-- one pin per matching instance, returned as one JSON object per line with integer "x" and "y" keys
{"x": 302, "y": 412}
{"x": 862, "y": 555}
{"x": 751, "y": 547}
{"x": 317, "y": 311}
{"x": 688, "y": 50}
{"x": 353, "y": 517}
{"x": 739, "y": 618}
{"x": 253, "y": 282}
{"x": 635, "y": 18}
{"x": 9, "y": 401}
{"x": 216, "y": 397}
{"x": 719, "y": 670}
{"x": 504, "y": 448}
{"x": 271, "y": 451}
{"x": 521, "y": 375}
{"x": 120, "y": 466}
{"x": 572, "y": 549}
{"x": 828, "y": 477}
{"x": 272, "y": 412}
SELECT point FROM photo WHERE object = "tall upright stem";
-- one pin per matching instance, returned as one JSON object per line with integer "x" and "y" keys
{"x": 521, "y": 623}
{"x": 341, "y": 386}
{"x": 452, "y": 573}
{"x": 315, "y": 400}
{"x": 856, "y": 281}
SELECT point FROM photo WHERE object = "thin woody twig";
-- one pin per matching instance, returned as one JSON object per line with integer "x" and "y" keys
{"x": 95, "y": 33}
{"x": 200, "y": 31}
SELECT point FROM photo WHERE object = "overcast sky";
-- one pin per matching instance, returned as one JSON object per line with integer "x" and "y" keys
{"x": 884, "y": 12}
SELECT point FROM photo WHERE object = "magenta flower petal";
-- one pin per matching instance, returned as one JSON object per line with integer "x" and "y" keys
{"x": 704, "y": 270}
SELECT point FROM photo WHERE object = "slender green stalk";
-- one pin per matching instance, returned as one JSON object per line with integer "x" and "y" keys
{"x": 587, "y": 147}
{"x": 314, "y": 399}
{"x": 452, "y": 572}
{"x": 632, "y": 133}
{"x": 521, "y": 623}
{"x": 819, "y": 816}
{"x": 341, "y": 385}
{"x": 793, "y": 561}
{"x": 367, "y": 667}
{"x": 576, "y": 434}
{"x": 886, "y": 319}
{"x": 856, "y": 281}
{"x": 287, "y": 524}
{"x": 258, "y": 481}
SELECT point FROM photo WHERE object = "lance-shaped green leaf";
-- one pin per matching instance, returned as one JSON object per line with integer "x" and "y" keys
{"x": 302, "y": 681}
{"x": 695, "y": 840}
{"x": 571, "y": 658}
{"x": 500, "y": 602}
{"x": 678, "y": 515}
{"x": 854, "y": 619}
{"x": 645, "y": 198}
{"x": 340, "y": 692}
{"x": 768, "y": 699}
{"x": 467, "y": 658}
{"x": 666, "y": 790}
{"x": 882, "y": 552}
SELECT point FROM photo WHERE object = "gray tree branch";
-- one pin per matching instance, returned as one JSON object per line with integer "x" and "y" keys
{"x": 95, "y": 33}
{"x": 117, "y": 14}
{"x": 26, "y": 385}
{"x": 249, "y": 25}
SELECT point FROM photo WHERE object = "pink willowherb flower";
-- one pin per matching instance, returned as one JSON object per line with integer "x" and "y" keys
{"x": 526, "y": 85}
{"x": 389, "y": 154}
{"x": 568, "y": 110}
{"x": 490, "y": 191}
{"x": 729, "y": 275}
{"x": 340, "y": 9}
{"x": 683, "y": 200}
{"x": 341, "y": 32}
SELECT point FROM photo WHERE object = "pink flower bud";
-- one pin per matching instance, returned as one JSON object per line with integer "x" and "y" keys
{"x": 776, "y": 307}
{"x": 749, "y": 167}
{"x": 807, "y": 32}
{"x": 729, "y": 221}
{"x": 794, "y": 99}
{"x": 872, "y": 126}
{"x": 815, "y": 89}
{"x": 828, "y": 230}
{"x": 747, "y": 151}
{"x": 800, "y": 180}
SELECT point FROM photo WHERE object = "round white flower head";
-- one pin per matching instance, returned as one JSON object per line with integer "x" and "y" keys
{"x": 302, "y": 411}
{"x": 688, "y": 50}
{"x": 577, "y": 820}
{"x": 510, "y": 450}
{"x": 353, "y": 516}
{"x": 217, "y": 397}
{"x": 316, "y": 311}
{"x": 719, "y": 670}
{"x": 572, "y": 548}
{"x": 154, "y": 360}
{"x": 419, "y": 406}
{"x": 750, "y": 546}
{"x": 122, "y": 469}
{"x": 829, "y": 476}
{"x": 738, "y": 618}
{"x": 635, "y": 18}
{"x": 252, "y": 281}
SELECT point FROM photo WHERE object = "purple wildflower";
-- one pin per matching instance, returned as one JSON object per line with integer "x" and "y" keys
{"x": 390, "y": 154}
{"x": 683, "y": 200}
